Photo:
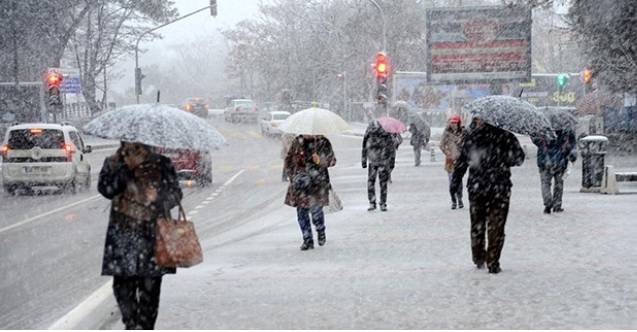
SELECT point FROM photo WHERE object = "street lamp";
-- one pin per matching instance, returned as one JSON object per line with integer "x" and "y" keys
{"x": 138, "y": 71}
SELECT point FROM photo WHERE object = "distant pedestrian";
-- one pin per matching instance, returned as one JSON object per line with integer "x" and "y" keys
{"x": 142, "y": 187}
{"x": 307, "y": 164}
{"x": 451, "y": 144}
{"x": 286, "y": 142}
{"x": 553, "y": 156}
{"x": 379, "y": 149}
{"x": 489, "y": 153}
{"x": 419, "y": 140}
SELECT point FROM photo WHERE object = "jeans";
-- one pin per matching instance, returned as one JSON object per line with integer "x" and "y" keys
{"x": 138, "y": 301}
{"x": 383, "y": 173}
{"x": 488, "y": 216}
{"x": 318, "y": 219}
{"x": 557, "y": 177}
{"x": 456, "y": 196}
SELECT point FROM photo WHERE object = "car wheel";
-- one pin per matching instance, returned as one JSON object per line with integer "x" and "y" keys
{"x": 9, "y": 189}
{"x": 70, "y": 187}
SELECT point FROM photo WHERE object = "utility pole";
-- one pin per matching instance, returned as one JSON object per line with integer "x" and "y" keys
{"x": 138, "y": 71}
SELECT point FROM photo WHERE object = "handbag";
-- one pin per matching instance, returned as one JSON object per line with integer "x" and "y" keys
{"x": 176, "y": 243}
{"x": 336, "y": 204}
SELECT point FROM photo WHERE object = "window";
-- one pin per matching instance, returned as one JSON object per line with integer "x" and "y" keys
{"x": 75, "y": 138}
{"x": 26, "y": 139}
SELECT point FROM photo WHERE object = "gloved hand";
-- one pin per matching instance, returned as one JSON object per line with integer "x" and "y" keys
{"x": 364, "y": 164}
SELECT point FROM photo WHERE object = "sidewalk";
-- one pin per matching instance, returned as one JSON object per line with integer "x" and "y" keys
{"x": 411, "y": 267}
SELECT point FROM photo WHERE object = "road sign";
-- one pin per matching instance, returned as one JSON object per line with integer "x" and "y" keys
{"x": 71, "y": 82}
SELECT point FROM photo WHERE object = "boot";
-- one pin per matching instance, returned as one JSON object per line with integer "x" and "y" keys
{"x": 453, "y": 205}
{"x": 558, "y": 209}
{"x": 547, "y": 210}
{"x": 495, "y": 268}
{"x": 383, "y": 207}
{"x": 308, "y": 244}
{"x": 321, "y": 238}
{"x": 372, "y": 206}
{"x": 460, "y": 205}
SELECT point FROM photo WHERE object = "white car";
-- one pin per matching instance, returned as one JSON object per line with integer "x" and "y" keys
{"x": 241, "y": 110}
{"x": 271, "y": 121}
{"x": 44, "y": 154}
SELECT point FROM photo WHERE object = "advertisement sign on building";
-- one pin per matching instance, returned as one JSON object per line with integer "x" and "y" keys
{"x": 479, "y": 44}
{"x": 71, "y": 80}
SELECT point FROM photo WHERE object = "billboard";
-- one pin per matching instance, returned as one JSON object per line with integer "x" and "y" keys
{"x": 479, "y": 44}
{"x": 542, "y": 90}
{"x": 71, "y": 82}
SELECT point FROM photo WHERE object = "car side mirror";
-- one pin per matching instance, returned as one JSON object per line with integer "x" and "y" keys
{"x": 88, "y": 149}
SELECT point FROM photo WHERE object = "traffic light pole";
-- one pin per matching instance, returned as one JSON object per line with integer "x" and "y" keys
{"x": 137, "y": 69}
{"x": 382, "y": 15}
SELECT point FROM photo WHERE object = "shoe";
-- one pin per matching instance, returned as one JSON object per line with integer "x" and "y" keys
{"x": 547, "y": 210}
{"x": 453, "y": 205}
{"x": 460, "y": 205}
{"x": 383, "y": 207}
{"x": 558, "y": 209}
{"x": 480, "y": 265}
{"x": 494, "y": 269}
{"x": 372, "y": 207}
{"x": 321, "y": 238}
{"x": 307, "y": 245}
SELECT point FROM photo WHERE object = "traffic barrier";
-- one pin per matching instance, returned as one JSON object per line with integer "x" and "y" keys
{"x": 609, "y": 182}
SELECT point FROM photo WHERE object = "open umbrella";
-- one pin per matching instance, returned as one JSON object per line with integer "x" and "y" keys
{"x": 314, "y": 121}
{"x": 157, "y": 125}
{"x": 391, "y": 125}
{"x": 561, "y": 119}
{"x": 512, "y": 114}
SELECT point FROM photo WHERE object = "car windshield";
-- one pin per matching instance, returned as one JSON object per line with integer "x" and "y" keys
{"x": 25, "y": 139}
{"x": 279, "y": 116}
{"x": 242, "y": 102}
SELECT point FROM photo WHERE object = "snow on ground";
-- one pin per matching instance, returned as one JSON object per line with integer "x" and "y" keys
{"x": 411, "y": 267}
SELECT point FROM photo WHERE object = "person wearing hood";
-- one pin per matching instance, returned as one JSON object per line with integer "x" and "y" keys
{"x": 553, "y": 156}
{"x": 451, "y": 144}
{"x": 379, "y": 157}
{"x": 488, "y": 153}
{"x": 306, "y": 165}
{"x": 419, "y": 139}
{"x": 142, "y": 186}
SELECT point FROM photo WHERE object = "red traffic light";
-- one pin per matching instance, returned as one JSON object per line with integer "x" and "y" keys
{"x": 587, "y": 76}
{"x": 54, "y": 79}
{"x": 381, "y": 65}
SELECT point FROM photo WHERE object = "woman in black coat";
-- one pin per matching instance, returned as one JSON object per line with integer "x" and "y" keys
{"x": 142, "y": 186}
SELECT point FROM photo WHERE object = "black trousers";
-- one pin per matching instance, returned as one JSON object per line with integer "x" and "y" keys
{"x": 138, "y": 301}
{"x": 488, "y": 216}
{"x": 383, "y": 173}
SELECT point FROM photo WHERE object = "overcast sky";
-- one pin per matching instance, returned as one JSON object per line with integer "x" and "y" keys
{"x": 192, "y": 28}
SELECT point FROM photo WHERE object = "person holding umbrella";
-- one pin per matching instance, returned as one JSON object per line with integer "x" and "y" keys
{"x": 489, "y": 153}
{"x": 450, "y": 144}
{"x": 142, "y": 186}
{"x": 553, "y": 156}
{"x": 379, "y": 153}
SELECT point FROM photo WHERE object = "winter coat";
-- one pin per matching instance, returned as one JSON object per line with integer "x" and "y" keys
{"x": 379, "y": 147}
{"x": 286, "y": 142}
{"x": 554, "y": 155}
{"x": 299, "y": 159}
{"x": 450, "y": 145}
{"x": 129, "y": 248}
{"x": 419, "y": 137}
{"x": 488, "y": 153}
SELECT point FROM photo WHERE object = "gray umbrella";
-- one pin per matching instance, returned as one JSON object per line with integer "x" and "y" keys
{"x": 561, "y": 119}
{"x": 511, "y": 114}
{"x": 157, "y": 125}
{"x": 408, "y": 115}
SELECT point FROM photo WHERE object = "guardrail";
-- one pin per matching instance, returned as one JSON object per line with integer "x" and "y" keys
{"x": 611, "y": 179}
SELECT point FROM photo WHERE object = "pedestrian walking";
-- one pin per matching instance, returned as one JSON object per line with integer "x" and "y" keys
{"x": 379, "y": 153}
{"x": 286, "y": 142}
{"x": 451, "y": 144}
{"x": 307, "y": 163}
{"x": 553, "y": 156}
{"x": 142, "y": 187}
{"x": 419, "y": 139}
{"x": 489, "y": 153}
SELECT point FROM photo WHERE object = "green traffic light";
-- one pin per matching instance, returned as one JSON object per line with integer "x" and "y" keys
{"x": 562, "y": 79}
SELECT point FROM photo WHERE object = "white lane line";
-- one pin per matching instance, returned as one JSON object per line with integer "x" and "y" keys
{"x": 198, "y": 207}
{"x": 232, "y": 178}
{"x": 74, "y": 317}
{"x": 28, "y": 220}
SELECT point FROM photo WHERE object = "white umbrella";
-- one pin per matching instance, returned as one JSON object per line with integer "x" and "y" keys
{"x": 314, "y": 121}
{"x": 157, "y": 125}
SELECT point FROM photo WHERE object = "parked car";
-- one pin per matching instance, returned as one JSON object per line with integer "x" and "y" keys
{"x": 191, "y": 164}
{"x": 44, "y": 154}
{"x": 241, "y": 110}
{"x": 271, "y": 121}
{"x": 196, "y": 106}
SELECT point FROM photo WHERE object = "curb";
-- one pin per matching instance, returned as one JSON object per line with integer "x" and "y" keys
{"x": 91, "y": 314}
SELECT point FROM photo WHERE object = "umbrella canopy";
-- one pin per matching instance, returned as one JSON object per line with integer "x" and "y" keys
{"x": 511, "y": 114}
{"x": 157, "y": 125}
{"x": 391, "y": 125}
{"x": 407, "y": 113}
{"x": 561, "y": 119}
{"x": 314, "y": 121}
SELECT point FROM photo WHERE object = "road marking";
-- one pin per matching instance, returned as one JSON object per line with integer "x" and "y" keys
{"x": 73, "y": 318}
{"x": 31, "y": 219}
{"x": 198, "y": 207}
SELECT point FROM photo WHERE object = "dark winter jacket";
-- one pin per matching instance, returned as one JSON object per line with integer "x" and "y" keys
{"x": 129, "y": 249}
{"x": 488, "y": 153}
{"x": 419, "y": 137}
{"x": 299, "y": 159}
{"x": 554, "y": 155}
{"x": 379, "y": 147}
